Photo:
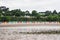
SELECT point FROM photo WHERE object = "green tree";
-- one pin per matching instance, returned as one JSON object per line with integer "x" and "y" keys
{"x": 48, "y": 13}
{"x": 34, "y": 13}
{"x": 27, "y": 13}
{"x": 15, "y": 12}
{"x": 0, "y": 13}
{"x": 54, "y": 12}
{"x": 4, "y": 10}
{"x": 53, "y": 18}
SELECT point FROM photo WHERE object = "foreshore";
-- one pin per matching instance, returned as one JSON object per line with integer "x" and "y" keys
{"x": 30, "y": 24}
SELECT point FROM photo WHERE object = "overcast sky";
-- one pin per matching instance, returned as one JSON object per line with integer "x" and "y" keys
{"x": 39, "y": 5}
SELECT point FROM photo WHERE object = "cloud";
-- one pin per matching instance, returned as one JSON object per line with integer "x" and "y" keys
{"x": 39, "y": 5}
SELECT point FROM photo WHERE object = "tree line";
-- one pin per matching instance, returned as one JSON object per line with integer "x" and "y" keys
{"x": 18, "y": 15}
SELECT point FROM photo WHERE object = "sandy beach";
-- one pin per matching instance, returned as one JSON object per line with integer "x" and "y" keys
{"x": 13, "y": 31}
{"x": 6, "y": 33}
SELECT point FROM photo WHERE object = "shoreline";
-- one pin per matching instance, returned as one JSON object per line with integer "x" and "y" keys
{"x": 30, "y": 24}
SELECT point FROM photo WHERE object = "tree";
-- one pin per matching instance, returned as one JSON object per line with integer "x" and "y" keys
{"x": 34, "y": 13}
{"x": 4, "y": 10}
{"x": 27, "y": 13}
{"x": 53, "y": 18}
{"x": 16, "y": 12}
{"x": 59, "y": 14}
{"x": 54, "y": 12}
{"x": 48, "y": 13}
{"x": 22, "y": 13}
{"x": 0, "y": 12}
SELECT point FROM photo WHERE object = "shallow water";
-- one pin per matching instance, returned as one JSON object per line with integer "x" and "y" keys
{"x": 13, "y": 33}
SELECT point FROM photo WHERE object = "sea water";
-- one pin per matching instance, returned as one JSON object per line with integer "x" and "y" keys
{"x": 13, "y": 33}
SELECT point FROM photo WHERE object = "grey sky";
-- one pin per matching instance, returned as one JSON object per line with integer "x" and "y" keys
{"x": 39, "y": 5}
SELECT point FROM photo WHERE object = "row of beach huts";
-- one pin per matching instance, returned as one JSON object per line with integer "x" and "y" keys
{"x": 29, "y": 22}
